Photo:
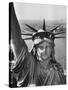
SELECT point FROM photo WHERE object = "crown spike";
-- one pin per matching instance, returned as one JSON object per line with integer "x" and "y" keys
{"x": 59, "y": 33}
{"x": 34, "y": 30}
{"x": 26, "y": 34}
{"x": 44, "y": 26}
{"x": 55, "y": 28}
{"x": 28, "y": 38}
{"x": 59, "y": 37}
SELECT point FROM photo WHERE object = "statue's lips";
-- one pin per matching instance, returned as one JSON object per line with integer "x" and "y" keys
{"x": 44, "y": 56}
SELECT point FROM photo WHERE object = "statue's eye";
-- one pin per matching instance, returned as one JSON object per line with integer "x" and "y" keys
{"x": 48, "y": 46}
{"x": 40, "y": 47}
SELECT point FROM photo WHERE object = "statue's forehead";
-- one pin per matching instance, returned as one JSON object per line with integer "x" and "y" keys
{"x": 44, "y": 43}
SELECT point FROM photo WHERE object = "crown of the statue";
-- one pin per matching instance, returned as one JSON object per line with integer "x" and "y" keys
{"x": 43, "y": 34}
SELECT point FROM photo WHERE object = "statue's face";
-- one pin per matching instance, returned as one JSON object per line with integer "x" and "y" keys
{"x": 44, "y": 50}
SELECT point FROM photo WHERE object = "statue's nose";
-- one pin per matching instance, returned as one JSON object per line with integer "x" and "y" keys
{"x": 45, "y": 50}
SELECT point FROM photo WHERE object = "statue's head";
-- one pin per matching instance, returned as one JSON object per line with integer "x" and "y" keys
{"x": 44, "y": 45}
{"x": 45, "y": 50}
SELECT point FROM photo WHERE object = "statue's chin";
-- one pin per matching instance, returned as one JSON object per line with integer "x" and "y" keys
{"x": 44, "y": 58}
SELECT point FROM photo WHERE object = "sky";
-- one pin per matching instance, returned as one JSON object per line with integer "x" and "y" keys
{"x": 27, "y": 11}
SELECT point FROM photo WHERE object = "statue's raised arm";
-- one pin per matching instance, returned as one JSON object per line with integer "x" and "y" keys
{"x": 22, "y": 63}
{"x": 17, "y": 44}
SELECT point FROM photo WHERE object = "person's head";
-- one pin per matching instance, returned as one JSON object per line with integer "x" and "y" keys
{"x": 45, "y": 50}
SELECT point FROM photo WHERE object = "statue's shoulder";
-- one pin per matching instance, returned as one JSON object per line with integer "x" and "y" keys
{"x": 56, "y": 66}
